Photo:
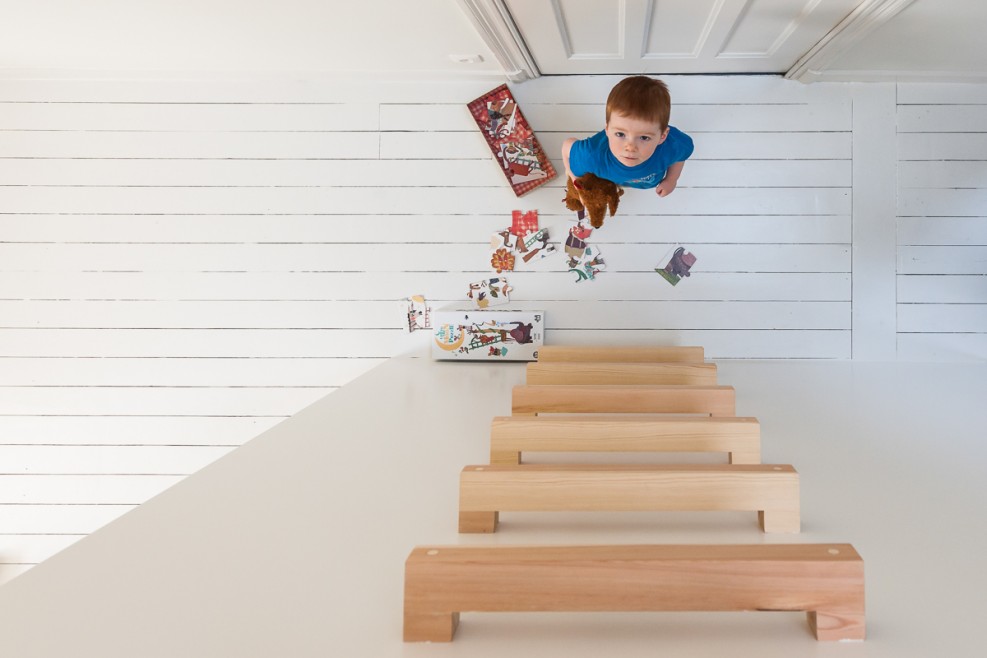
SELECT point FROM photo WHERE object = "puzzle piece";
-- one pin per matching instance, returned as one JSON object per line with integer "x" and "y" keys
{"x": 489, "y": 292}
{"x": 523, "y": 223}
{"x": 419, "y": 313}
{"x": 679, "y": 264}
{"x": 589, "y": 265}
{"x": 537, "y": 244}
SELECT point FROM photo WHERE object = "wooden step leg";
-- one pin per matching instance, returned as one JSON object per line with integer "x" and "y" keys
{"x": 478, "y": 521}
{"x": 836, "y": 626}
{"x": 505, "y": 457}
{"x": 780, "y": 521}
{"x": 430, "y": 627}
{"x": 739, "y": 457}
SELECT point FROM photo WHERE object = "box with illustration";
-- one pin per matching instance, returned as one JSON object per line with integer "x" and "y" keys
{"x": 462, "y": 334}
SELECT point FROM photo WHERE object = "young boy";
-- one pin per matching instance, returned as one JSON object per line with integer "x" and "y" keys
{"x": 638, "y": 148}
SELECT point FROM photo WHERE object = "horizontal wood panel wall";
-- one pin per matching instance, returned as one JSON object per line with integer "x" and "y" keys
{"x": 942, "y": 222}
{"x": 185, "y": 262}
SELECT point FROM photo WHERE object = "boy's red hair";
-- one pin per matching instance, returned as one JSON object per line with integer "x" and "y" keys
{"x": 641, "y": 97}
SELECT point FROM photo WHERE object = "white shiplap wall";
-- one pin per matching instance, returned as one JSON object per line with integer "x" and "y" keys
{"x": 183, "y": 263}
{"x": 942, "y": 230}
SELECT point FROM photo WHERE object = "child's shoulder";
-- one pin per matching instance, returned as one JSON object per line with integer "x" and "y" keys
{"x": 679, "y": 142}
{"x": 677, "y": 134}
{"x": 595, "y": 139}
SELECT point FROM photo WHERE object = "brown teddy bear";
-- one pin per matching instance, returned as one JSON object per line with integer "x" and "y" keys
{"x": 594, "y": 195}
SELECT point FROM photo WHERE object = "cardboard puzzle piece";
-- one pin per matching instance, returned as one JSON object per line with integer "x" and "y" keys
{"x": 678, "y": 266}
{"x": 523, "y": 223}
{"x": 489, "y": 292}
{"x": 582, "y": 259}
{"x": 502, "y": 260}
{"x": 419, "y": 313}
{"x": 536, "y": 245}
{"x": 589, "y": 265}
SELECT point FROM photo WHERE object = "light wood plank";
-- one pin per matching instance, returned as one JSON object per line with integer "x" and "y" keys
{"x": 826, "y": 580}
{"x": 942, "y": 146}
{"x": 953, "y": 259}
{"x": 943, "y": 318}
{"x": 942, "y": 202}
{"x": 211, "y": 372}
{"x": 132, "y": 430}
{"x": 120, "y": 489}
{"x": 936, "y": 289}
{"x": 949, "y": 347}
{"x": 919, "y": 231}
{"x": 769, "y": 489}
{"x": 513, "y": 436}
{"x": 197, "y": 117}
{"x": 941, "y": 117}
{"x": 71, "y": 519}
{"x": 155, "y": 401}
{"x": 621, "y": 373}
{"x": 189, "y": 87}
{"x": 284, "y": 171}
{"x": 206, "y": 343}
{"x": 712, "y": 400}
{"x": 943, "y": 175}
{"x": 124, "y": 144}
{"x": 641, "y": 353}
{"x": 733, "y": 344}
{"x": 100, "y": 460}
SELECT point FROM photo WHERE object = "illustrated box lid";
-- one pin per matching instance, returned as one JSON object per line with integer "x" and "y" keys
{"x": 489, "y": 335}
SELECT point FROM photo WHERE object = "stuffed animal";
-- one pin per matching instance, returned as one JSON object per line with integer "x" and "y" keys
{"x": 594, "y": 195}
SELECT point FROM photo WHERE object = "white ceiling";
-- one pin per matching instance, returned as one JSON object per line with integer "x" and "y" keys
{"x": 374, "y": 37}
{"x": 928, "y": 39}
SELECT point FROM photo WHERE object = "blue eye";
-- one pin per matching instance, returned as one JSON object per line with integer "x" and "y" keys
{"x": 645, "y": 138}
{"x": 619, "y": 134}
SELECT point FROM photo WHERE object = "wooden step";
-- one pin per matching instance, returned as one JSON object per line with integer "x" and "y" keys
{"x": 824, "y": 580}
{"x": 627, "y": 354}
{"x": 510, "y": 436}
{"x": 645, "y": 398}
{"x": 771, "y": 490}
{"x": 604, "y": 372}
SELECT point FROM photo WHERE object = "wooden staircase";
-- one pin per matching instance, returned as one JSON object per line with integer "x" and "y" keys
{"x": 629, "y": 400}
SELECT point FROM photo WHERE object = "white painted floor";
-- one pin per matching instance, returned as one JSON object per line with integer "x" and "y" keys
{"x": 294, "y": 544}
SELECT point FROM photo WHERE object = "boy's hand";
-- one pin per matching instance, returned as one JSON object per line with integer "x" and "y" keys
{"x": 665, "y": 187}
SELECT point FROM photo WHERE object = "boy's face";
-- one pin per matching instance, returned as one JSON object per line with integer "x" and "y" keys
{"x": 632, "y": 141}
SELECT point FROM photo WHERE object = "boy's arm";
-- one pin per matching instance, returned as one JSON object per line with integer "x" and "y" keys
{"x": 667, "y": 185}
{"x": 566, "y": 146}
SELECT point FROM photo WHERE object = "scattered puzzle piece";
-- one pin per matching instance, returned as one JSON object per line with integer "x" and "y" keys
{"x": 523, "y": 223}
{"x": 678, "y": 266}
{"x": 502, "y": 260}
{"x": 419, "y": 313}
{"x": 589, "y": 265}
{"x": 490, "y": 292}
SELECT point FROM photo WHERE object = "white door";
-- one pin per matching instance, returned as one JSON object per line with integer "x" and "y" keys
{"x": 674, "y": 36}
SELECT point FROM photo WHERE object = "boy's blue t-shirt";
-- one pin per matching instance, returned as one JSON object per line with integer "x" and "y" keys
{"x": 592, "y": 156}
